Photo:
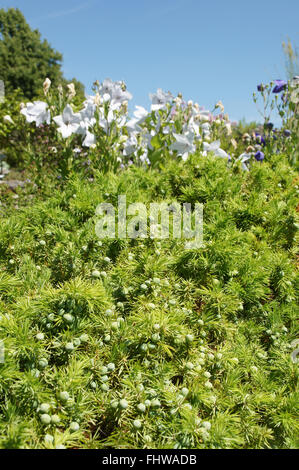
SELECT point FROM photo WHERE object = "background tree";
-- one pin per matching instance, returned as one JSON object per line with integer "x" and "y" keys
{"x": 26, "y": 60}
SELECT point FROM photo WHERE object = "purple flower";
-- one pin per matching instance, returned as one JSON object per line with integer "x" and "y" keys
{"x": 269, "y": 125}
{"x": 279, "y": 86}
{"x": 287, "y": 133}
{"x": 259, "y": 156}
{"x": 260, "y": 87}
{"x": 260, "y": 138}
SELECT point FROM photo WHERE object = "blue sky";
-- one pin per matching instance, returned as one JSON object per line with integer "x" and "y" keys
{"x": 209, "y": 50}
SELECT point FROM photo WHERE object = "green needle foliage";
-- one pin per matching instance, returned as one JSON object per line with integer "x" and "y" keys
{"x": 140, "y": 343}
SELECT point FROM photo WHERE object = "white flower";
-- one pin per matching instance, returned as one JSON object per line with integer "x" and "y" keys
{"x": 160, "y": 99}
{"x": 243, "y": 158}
{"x": 121, "y": 121}
{"x": 295, "y": 82}
{"x": 119, "y": 95}
{"x": 38, "y": 112}
{"x": 123, "y": 139}
{"x": 87, "y": 119}
{"x": 106, "y": 87}
{"x": 89, "y": 108}
{"x": 68, "y": 122}
{"x": 228, "y": 128}
{"x": 105, "y": 123}
{"x": 130, "y": 145}
{"x": 193, "y": 127}
{"x": 146, "y": 139}
{"x": 114, "y": 92}
{"x": 295, "y": 96}
{"x": 215, "y": 148}
{"x": 178, "y": 101}
{"x": 97, "y": 99}
{"x": 72, "y": 91}
{"x": 183, "y": 144}
{"x": 8, "y": 118}
{"x": 220, "y": 106}
{"x": 46, "y": 85}
{"x": 234, "y": 143}
{"x": 85, "y": 125}
{"x": 166, "y": 130}
{"x": 204, "y": 115}
{"x": 144, "y": 157}
{"x": 89, "y": 140}
{"x": 205, "y": 127}
{"x": 106, "y": 97}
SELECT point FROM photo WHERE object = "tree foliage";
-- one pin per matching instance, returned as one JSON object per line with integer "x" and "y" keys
{"x": 25, "y": 59}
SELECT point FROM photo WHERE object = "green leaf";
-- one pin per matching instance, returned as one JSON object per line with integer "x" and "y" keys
{"x": 156, "y": 142}
{"x": 155, "y": 157}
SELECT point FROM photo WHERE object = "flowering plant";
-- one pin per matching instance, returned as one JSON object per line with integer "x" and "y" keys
{"x": 286, "y": 103}
{"x": 172, "y": 128}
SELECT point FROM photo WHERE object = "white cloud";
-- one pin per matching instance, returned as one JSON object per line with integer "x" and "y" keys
{"x": 70, "y": 11}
